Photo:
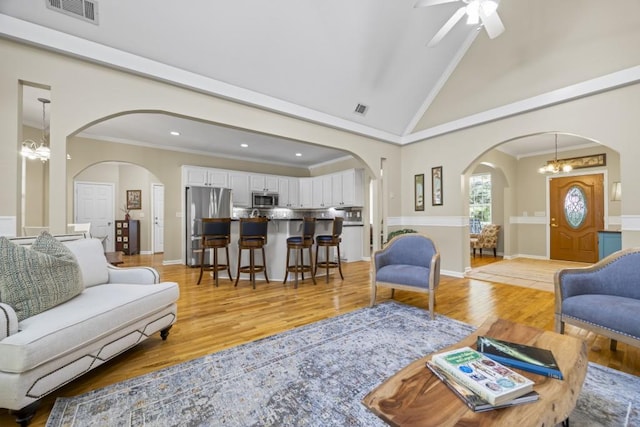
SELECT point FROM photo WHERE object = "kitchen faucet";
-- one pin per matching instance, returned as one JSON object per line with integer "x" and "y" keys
{"x": 254, "y": 213}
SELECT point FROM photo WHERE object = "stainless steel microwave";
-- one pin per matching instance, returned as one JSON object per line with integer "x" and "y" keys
{"x": 264, "y": 200}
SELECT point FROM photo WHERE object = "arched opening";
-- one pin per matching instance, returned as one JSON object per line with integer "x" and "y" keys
{"x": 522, "y": 198}
{"x": 106, "y": 192}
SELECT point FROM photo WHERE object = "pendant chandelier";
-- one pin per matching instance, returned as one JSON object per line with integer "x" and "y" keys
{"x": 555, "y": 166}
{"x": 34, "y": 150}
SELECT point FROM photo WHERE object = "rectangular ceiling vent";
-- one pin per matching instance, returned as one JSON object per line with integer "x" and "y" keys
{"x": 361, "y": 109}
{"x": 87, "y": 10}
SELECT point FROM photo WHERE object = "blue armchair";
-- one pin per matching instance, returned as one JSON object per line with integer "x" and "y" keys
{"x": 603, "y": 298}
{"x": 409, "y": 262}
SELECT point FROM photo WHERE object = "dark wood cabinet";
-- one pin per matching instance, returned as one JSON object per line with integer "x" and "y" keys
{"x": 128, "y": 236}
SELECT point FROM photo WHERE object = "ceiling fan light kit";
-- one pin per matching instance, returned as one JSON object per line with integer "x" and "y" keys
{"x": 478, "y": 12}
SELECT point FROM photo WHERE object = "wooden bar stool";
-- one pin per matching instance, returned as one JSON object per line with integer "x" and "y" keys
{"x": 328, "y": 241}
{"x": 253, "y": 235}
{"x": 216, "y": 234}
{"x": 299, "y": 244}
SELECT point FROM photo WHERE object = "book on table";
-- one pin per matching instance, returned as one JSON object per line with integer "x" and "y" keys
{"x": 528, "y": 358}
{"x": 487, "y": 378}
{"x": 472, "y": 400}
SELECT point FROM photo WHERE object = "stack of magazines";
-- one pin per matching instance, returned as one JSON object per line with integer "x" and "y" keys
{"x": 482, "y": 383}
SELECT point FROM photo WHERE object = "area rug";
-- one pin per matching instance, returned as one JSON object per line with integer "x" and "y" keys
{"x": 526, "y": 272}
{"x": 315, "y": 375}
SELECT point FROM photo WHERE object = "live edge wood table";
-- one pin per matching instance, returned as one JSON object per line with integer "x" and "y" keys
{"x": 415, "y": 397}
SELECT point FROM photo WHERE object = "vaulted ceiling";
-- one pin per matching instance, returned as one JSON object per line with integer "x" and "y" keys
{"x": 319, "y": 60}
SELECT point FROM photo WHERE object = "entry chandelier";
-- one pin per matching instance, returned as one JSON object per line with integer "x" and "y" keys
{"x": 38, "y": 149}
{"x": 555, "y": 166}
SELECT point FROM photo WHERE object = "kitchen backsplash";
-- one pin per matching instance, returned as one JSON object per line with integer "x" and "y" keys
{"x": 349, "y": 214}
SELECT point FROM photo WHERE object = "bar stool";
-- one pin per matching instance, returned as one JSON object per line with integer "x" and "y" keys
{"x": 299, "y": 244}
{"x": 253, "y": 235}
{"x": 328, "y": 241}
{"x": 216, "y": 234}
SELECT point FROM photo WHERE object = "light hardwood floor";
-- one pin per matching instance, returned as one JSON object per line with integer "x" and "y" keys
{"x": 211, "y": 319}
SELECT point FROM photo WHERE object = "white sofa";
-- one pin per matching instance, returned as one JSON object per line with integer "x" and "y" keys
{"x": 118, "y": 308}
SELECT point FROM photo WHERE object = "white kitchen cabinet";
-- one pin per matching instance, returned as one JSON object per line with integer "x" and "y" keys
{"x": 306, "y": 192}
{"x": 321, "y": 194}
{"x": 263, "y": 183}
{"x": 288, "y": 191}
{"x": 239, "y": 184}
{"x": 352, "y": 181}
{"x": 347, "y": 188}
{"x": 205, "y": 177}
{"x": 336, "y": 190}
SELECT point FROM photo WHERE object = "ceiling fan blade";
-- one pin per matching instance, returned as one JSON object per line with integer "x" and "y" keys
{"x": 424, "y": 3}
{"x": 447, "y": 27}
{"x": 492, "y": 24}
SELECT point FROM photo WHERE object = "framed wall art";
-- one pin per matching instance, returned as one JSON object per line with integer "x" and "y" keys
{"x": 134, "y": 199}
{"x": 418, "y": 191}
{"x": 436, "y": 186}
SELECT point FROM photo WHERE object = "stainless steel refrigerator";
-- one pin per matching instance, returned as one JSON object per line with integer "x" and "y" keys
{"x": 203, "y": 202}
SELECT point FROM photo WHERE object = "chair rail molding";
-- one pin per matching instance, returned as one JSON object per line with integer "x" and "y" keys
{"x": 630, "y": 222}
{"x": 429, "y": 221}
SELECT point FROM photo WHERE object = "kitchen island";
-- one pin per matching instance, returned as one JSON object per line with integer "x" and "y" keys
{"x": 279, "y": 229}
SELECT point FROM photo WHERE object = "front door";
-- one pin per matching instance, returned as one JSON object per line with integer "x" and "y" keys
{"x": 576, "y": 209}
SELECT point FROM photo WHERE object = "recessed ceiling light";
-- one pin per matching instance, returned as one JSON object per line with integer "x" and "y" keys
{"x": 298, "y": 154}
{"x": 175, "y": 133}
{"x": 244, "y": 145}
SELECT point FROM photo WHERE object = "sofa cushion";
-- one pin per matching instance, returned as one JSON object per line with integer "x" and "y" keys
{"x": 96, "y": 313}
{"x": 92, "y": 261}
{"x": 33, "y": 280}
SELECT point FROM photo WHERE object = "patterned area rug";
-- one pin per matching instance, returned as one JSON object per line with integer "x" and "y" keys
{"x": 315, "y": 375}
{"x": 527, "y": 272}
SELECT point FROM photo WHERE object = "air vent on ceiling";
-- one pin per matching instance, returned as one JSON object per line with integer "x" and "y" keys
{"x": 361, "y": 109}
{"x": 87, "y": 10}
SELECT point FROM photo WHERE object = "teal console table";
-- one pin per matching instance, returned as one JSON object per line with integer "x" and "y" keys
{"x": 608, "y": 242}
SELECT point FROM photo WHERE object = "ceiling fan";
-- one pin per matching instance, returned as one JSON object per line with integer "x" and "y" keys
{"x": 477, "y": 11}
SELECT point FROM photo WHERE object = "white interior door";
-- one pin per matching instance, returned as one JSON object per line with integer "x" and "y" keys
{"x": 158, "y": 218}
{"x": 94, "y": 203}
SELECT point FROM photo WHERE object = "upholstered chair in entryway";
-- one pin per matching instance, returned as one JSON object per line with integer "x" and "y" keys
{"x": 487, "y": 239}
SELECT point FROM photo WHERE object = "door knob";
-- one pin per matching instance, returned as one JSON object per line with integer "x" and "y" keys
{"x": 554, "y": 225}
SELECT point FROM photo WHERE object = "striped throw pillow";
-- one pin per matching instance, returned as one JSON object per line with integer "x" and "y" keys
{"x": 33, "y": 280}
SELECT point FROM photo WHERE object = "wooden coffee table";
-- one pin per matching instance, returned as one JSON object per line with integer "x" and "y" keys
{"x": 415, "y": 397}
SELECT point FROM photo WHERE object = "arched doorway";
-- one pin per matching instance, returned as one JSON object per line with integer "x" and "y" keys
{"x": 526, "y": 200}
{"x": 122, "y": 177}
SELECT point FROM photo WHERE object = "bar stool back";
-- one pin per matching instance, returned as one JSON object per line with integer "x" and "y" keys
{"x": 299, "y": 244}
{"x": 253, "y": 235}
{"x": 328, "y": 241}
{"x": 216, "y": 234}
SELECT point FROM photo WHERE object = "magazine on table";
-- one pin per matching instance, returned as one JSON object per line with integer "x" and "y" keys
{"x": 487, "y": 378}
{"x": 472, "y": 400}
{"x": 528, "y": 358}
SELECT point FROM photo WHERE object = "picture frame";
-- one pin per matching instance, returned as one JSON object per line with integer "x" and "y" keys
{"x": 134, "y": 199}
{"x": 418, "y": 191}
{"x": 436, "y": 186}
